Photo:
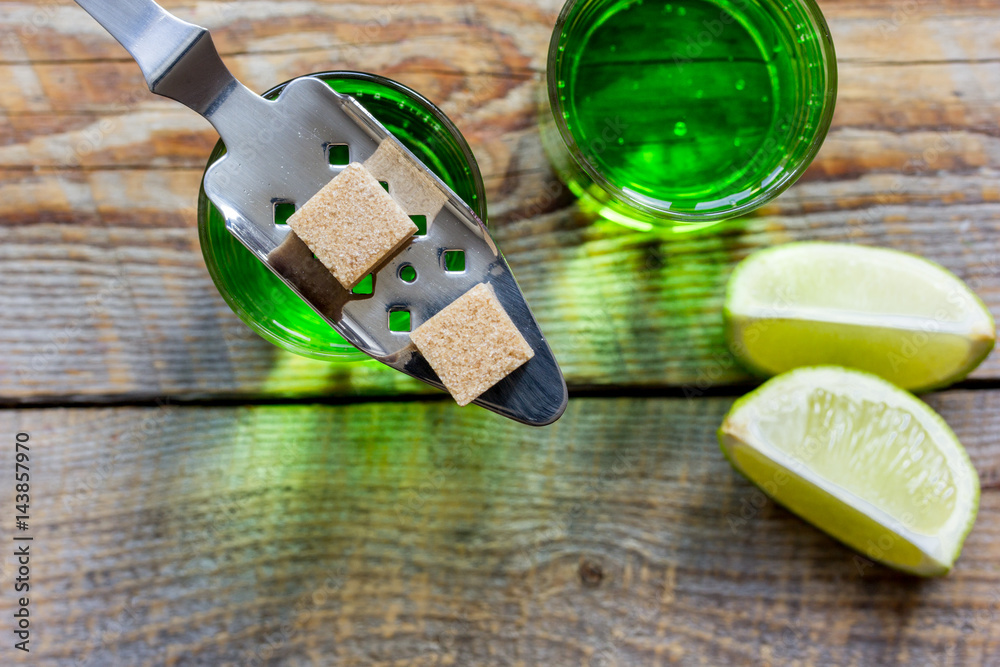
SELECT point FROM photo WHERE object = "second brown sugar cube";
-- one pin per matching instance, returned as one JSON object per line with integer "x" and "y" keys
{"x": 472, "y": 344}
{"x": 352, "y": 225}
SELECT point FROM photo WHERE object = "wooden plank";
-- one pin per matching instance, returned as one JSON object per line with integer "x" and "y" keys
{"x": 619, "y": 307}
{"x": 98, "y": 180}
{"x": 444, "y": 536}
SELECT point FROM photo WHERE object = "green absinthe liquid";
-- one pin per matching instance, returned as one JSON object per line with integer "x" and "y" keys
{"x": 689, "y": 105}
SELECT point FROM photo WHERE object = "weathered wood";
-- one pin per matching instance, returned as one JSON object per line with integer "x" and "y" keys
{"x": 451, "y": 536}
{"x": 419, "y": 533}
{"x": 98, "y": 178}
{"x": 619, "y": 307}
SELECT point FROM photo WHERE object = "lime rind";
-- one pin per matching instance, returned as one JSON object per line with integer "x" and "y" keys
{"x": 938, "y": 552}
{"x": 981, "y": 350}
{"x": 931, "y": 562}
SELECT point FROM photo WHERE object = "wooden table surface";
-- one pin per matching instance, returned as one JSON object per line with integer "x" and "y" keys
{"x": 200, "y": 497}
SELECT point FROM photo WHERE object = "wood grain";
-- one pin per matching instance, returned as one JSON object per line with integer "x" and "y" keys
{"x": 98, "y": 180}
{"x": 447, "y": 536}
{"x": 299, "y": 534}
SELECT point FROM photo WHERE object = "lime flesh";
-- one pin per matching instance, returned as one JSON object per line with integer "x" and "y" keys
{"x": 899, "y": 316}
{"x": 864, "y": 461}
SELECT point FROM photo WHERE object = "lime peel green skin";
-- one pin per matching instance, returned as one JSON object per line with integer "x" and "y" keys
{"x": 931, "y": 567}
{"x": 747, "y": 363}
{"x": 739, "y": 352}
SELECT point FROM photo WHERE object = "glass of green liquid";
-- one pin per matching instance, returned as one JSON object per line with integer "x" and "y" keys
{"x": 680, "y": 112}
{"x": 261, "y": 299}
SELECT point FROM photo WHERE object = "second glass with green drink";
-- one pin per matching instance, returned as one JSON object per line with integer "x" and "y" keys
{"x": 687, "y": 111}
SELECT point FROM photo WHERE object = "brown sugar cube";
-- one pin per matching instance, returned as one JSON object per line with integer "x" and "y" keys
{"x": 352, "y": 225}
{"x": 472, "y": 344}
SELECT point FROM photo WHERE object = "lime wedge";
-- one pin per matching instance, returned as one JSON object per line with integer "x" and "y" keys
{"x": 899, "y": 316}
{"x": 860, "y": 459}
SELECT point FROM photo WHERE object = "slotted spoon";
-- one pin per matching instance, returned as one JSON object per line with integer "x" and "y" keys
{"x": 277, "y": 153}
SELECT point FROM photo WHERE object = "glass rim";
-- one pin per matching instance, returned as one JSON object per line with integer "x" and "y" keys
{"x": 434, "y": 110}
{"x": 345, "y": 352}
{"x": 770, "y": 192}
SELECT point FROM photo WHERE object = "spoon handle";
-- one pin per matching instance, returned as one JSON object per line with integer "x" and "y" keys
{"x": 179, "y": 60}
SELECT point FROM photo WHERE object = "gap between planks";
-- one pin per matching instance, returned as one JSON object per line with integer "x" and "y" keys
{"x": 735, "y": 390}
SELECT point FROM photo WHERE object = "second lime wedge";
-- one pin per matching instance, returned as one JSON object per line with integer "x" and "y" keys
{"x": 866, "y": 462}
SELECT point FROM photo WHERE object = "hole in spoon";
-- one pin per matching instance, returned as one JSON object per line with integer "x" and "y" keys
{"x": 282, "y": 211}
{"x": 399, "y": 320}
{"x": 339, "y": 155}
{"x": 454, "y": 261}
{"x": 365, "y": 287}
{"x": 407, "y": 273}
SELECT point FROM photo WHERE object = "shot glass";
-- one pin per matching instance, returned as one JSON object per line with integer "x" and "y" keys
{"x": 261, "y": 299}
{"x": 683, "y": 113}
